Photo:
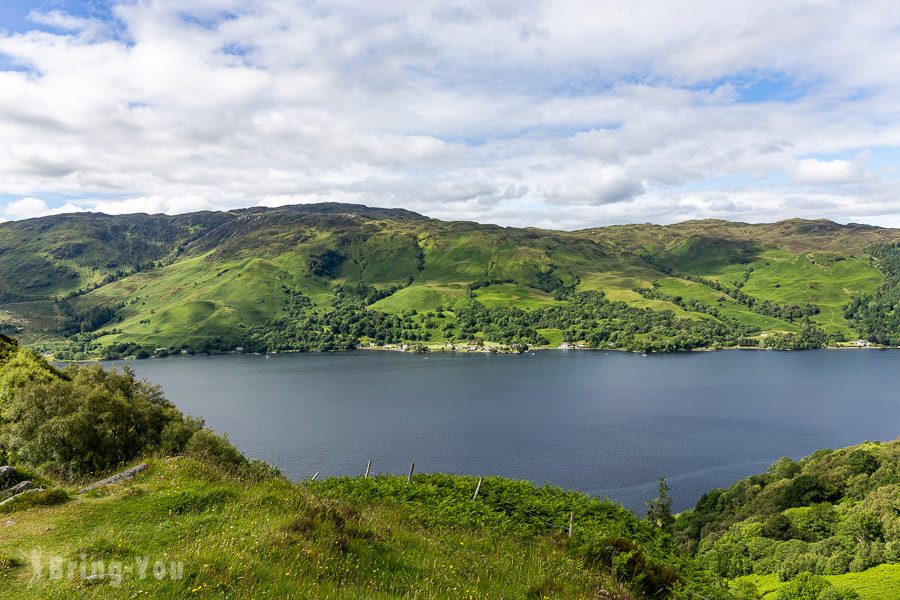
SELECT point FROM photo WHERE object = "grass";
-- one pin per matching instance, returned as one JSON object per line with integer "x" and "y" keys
{"x": 825, "y": 279}
{"x": 515, "y": 295}
{"x": 877, "y": 583}
{"x": 187, "y": 301}
{"x": 422, "y": 297}
{"x": 554, "y": 337}
{"x": 344, "y": 538}
{"x": 35, "y": 322}
{"x": 723, "y": 304}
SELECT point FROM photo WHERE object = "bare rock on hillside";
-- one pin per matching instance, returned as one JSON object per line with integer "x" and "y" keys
{"x": 117, "y": 478}
{"x": 29, "y": 491}
{"x": 16, "y": 490}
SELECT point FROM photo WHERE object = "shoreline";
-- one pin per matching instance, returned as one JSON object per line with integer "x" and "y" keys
{"x": 484, "y": 350}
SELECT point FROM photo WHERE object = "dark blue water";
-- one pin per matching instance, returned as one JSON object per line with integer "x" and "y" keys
{"x": 607, "y": 424}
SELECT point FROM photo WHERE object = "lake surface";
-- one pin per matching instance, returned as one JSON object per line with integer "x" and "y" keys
{"x": 609, "y": 424}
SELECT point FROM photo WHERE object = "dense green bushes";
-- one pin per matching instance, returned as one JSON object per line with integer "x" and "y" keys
{"x": 834, "y": 512}
{"x": 86, "y": 420}
{"x": 876, "y": 316}
{"x": 336, "y": 327}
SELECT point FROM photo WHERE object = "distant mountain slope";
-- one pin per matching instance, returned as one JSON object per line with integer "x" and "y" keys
{"x": 48, "y": 257}
{"x": 209, "y": 281}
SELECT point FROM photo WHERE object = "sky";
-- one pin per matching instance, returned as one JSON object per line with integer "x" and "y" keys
{"x": 563, "y": 114}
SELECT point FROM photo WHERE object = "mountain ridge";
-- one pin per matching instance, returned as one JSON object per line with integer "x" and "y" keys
{"x": 215, "y": 280}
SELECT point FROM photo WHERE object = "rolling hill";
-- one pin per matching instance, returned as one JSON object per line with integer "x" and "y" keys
{"x": 93, "y": 284}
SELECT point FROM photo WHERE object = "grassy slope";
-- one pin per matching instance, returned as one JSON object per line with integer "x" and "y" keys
{"x": 345, "y": 538}
{"x": 827, "y": 280}
{"x": 727, "y": 307}
{"x": 224, "y": 271}
{"x": 55, "y": 255}
{"x": 354, "y": 537}
{"x": 338, "y": 538}
{"x": 877, "y": 583}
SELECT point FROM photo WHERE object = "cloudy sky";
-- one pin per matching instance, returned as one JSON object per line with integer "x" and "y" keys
{"x": 569, "y": 113}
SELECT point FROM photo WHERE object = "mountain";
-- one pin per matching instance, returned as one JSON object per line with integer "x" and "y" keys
{"x": 327, "y": 276}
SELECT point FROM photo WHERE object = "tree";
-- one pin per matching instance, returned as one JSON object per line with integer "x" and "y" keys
{"x": 659, "y": 510}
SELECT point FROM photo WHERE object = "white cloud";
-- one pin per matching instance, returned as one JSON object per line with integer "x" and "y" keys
{"x": 595, "y": 187}
{"x": 811, "y": 170}
{"x": 562, "y": 113}
{"x": 26, "y": 208}
{"x": 57, "y": 19}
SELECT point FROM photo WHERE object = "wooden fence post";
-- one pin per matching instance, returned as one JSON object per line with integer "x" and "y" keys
{"x": 478, "y": 487}
{"x": 368, "y": 468}
{"x": 571, "y": 522}
{"x": 409, "y": 477}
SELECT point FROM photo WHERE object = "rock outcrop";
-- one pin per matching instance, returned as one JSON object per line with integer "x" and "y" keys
{"x": 117, "y": 478}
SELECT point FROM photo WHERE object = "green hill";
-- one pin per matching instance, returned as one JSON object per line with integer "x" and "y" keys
{"x": 833, "y": 518}
{"x": 97, "y": 285}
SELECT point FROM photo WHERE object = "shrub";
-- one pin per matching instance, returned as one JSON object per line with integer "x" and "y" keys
{"x": 861, "y": 462}
{"x": 836, "y": 593}
{"x": 784, "y": 468}
{"x": 861, "y": 527}
{"x": 628, "y": 563}
{"x": 22, "y": 368}
{"x": 208, "y": 446}
{"x": 260, "y": 469}
{"x": 778, "y": 527}
{"x": 812, "y": 523}
{"x": 87, "y": 421}
{"x": 745, "y": 590}
{"x": 808, "y": 489}
{"x": 804, "y": 586}
{"x": 834, "y": 556}
{"x": 794, "y": 557}
{"x": 176, "y": 434}
{"x": 867, "y": 555}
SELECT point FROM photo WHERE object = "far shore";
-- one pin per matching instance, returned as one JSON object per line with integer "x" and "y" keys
{"x": 457, "y": 349}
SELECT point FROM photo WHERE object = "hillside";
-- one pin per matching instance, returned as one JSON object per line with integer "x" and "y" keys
{"x": 831, "y": 518}
{"x": 335, "y": 276}
{"x": 200, "y": 520}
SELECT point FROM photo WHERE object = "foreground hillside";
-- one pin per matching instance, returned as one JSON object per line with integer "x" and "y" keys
{"x": 831, "y": 518}
{"x": 202, "y": 521}
{"x": 335, "y": 276}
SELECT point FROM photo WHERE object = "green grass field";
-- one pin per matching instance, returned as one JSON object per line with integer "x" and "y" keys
{"x": 824, "y": 279}
{"x": 878, "y": 583}
{"x": 346, "y": 538}
{"x": 722, "y": 303}
{"x": 509, "y": 294}
{"x": 421, "y": 297}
